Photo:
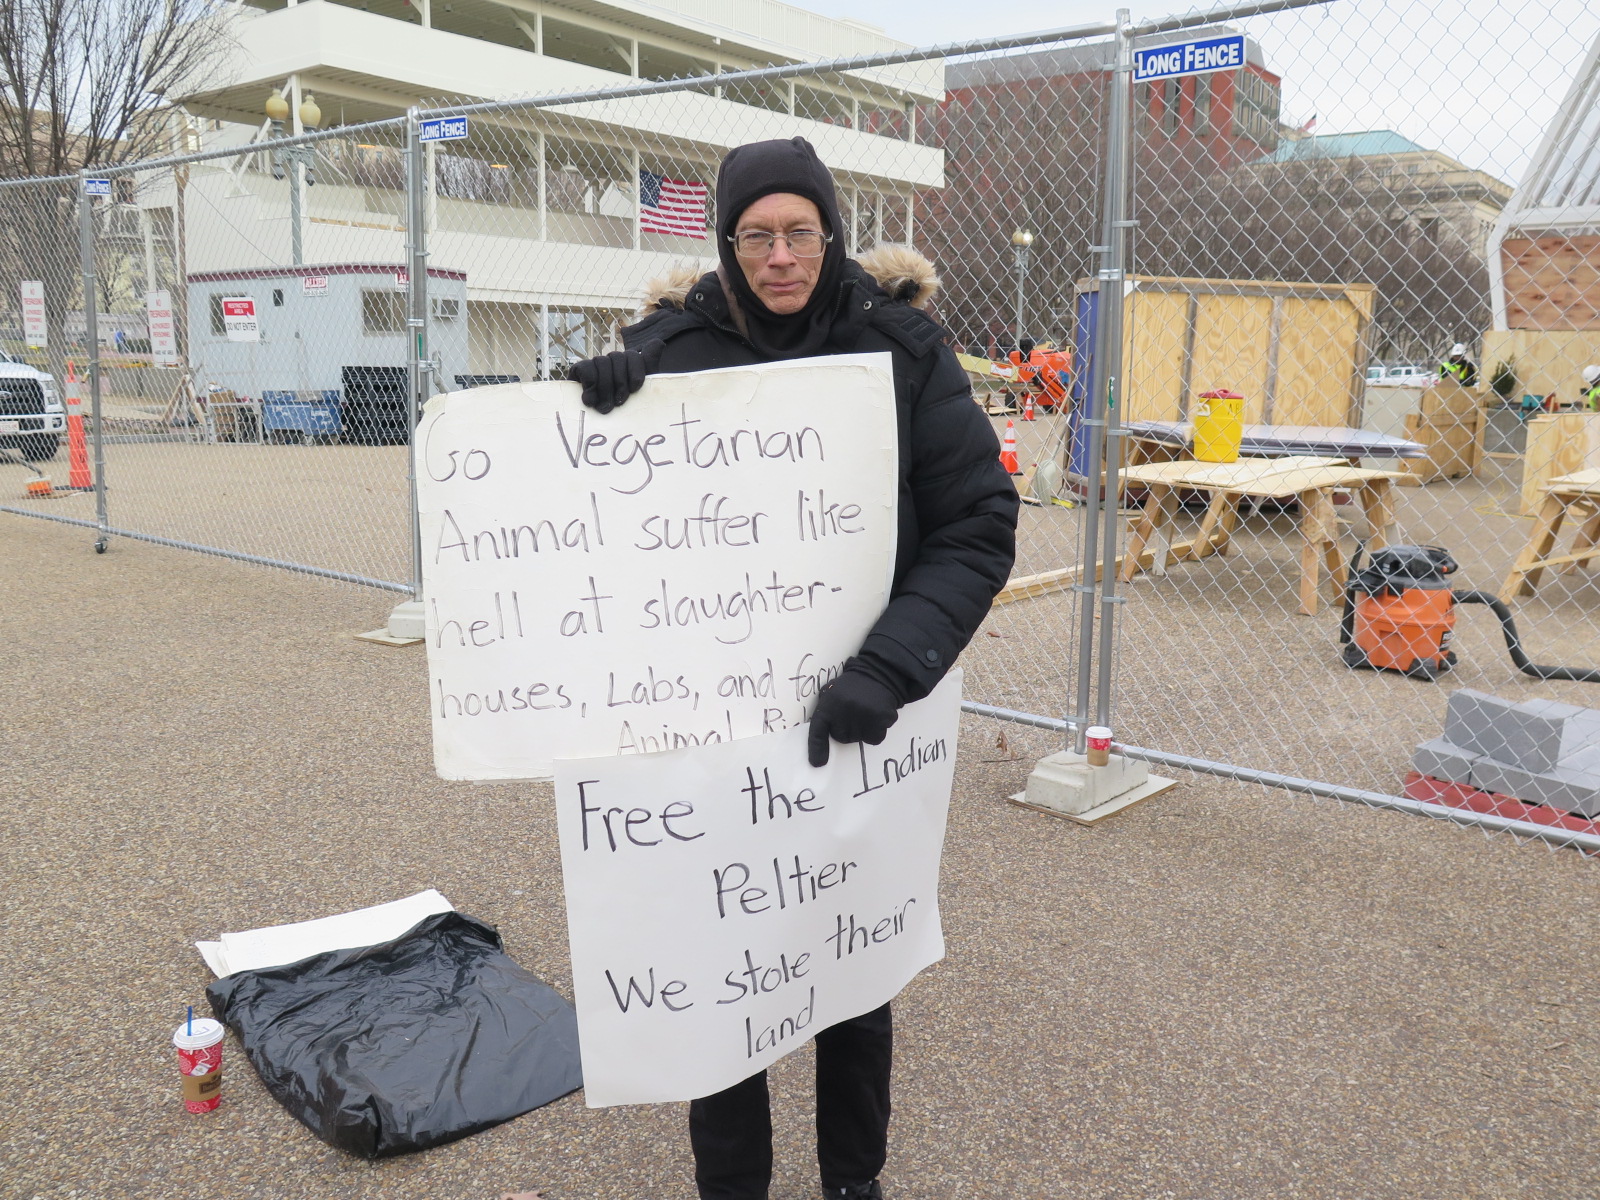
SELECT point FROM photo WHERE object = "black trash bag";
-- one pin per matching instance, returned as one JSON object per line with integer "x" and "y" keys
{"x": 406, "y": 1045}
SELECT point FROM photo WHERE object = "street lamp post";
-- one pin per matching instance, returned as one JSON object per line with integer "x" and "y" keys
{"x": 1021, "y": 241}
{"x": 298, "y": 159}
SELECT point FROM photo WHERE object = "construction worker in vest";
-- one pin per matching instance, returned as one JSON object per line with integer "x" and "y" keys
{"x": 1459, "y": 367}
{"x": 1591, "y": 387}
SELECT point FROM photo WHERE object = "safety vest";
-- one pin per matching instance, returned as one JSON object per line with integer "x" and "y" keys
{"x": 1458, "y": 369}
{"x": 1593, "y": 397}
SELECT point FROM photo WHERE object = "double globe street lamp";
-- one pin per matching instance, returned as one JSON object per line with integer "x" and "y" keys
{"x": 298, "y": 160}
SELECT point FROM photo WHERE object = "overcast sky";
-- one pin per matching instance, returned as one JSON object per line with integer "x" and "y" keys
{"x": 1478, "y": 79}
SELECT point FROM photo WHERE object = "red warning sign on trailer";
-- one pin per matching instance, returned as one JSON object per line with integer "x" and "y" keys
{"x": 239, "y": 319}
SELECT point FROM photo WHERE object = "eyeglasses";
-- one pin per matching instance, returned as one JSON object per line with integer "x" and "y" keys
{"x": 758, "y": 243}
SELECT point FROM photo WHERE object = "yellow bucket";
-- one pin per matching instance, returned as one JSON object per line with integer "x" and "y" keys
{"x": 1218, "y": 426}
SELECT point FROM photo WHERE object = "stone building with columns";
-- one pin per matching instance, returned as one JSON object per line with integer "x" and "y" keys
{"x": 544, "y": 210}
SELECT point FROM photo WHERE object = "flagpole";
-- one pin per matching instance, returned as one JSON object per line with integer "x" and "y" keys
{"x": 638, "y": 202}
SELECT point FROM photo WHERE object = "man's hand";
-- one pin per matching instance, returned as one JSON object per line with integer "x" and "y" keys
{"x": 853, "y": 708}
{"x": 609, "y": 379}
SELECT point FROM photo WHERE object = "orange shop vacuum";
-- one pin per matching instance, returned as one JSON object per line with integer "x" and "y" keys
{"x": 1400, "y": 615}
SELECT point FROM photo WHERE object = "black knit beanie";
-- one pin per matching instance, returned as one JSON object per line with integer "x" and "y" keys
{"x": 760, "y": 169}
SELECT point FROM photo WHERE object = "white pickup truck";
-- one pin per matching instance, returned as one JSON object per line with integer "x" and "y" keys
{"x": 1402, "y": 376}
{"x": 32, "y": 418}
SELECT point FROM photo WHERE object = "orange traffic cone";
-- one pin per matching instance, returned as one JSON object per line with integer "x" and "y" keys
{"x": 79, "y": 477}
{"x": 1027, "y": 407}
{"x": 1008, "y": 450}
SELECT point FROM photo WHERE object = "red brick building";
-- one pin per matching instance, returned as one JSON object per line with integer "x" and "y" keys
{"x": 1023, "y": 140}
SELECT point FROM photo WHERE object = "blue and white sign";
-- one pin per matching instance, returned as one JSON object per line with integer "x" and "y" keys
{"x": 1189, "y": 58}
{"x": 442, "y": 129}
{"x": 97, "y": 187}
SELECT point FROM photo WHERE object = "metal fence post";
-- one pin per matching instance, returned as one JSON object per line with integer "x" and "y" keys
{"x": 1103, "y": 380}
{"x": 1108, "y": 357}
{"x": 91, "y": 334}
{"x": 407, "y": 618}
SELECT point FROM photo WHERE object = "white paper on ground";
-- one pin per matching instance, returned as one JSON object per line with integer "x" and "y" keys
{"x": 279, "y": 945}
{"x": 726, "y": 902}
{"x": 689, "y": 568}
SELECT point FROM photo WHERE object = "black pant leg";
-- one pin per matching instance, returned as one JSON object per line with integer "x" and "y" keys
{"x": 854, "y": 1059}
{"x": 731, "y": 1134}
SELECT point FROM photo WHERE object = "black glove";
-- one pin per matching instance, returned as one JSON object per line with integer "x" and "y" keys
{"x": 855, "y": 707}
{"x": 609, "y": 379}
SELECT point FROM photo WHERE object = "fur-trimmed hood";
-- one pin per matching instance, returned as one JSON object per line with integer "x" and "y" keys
{"x": 899, "y": 270}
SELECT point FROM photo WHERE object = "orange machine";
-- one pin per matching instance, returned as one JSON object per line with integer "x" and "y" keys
{"x": 1044, "y": 372}
{"x": 1399, "y": 612}
{"x": 1400, "y": 615}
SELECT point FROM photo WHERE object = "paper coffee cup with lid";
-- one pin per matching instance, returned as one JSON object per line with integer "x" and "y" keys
{"x": 199, "y": 1047}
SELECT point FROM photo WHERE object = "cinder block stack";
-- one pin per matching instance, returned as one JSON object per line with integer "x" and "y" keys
{"x": 1538, "y": 752}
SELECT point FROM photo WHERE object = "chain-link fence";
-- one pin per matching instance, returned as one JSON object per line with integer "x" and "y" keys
{"x": 43, "y": 337}
{"x": 1318, "y": 275}
{"x": 1291, "y": 235}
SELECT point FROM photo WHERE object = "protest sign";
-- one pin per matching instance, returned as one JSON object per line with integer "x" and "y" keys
{"x": 727, "y": 902}
{"x": 690, "y": 568}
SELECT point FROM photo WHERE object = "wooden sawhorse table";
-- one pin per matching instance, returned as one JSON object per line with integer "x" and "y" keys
{"x": 1576, "y": 496}
{"x": 1311, "y": 481}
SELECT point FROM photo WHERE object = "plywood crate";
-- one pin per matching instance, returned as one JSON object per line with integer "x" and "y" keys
{"x": 1558, "y": 445}
{"x": 1449, "y": 424}
{"x": 1448, "y": 400}
{"x": 1297, "y": 352}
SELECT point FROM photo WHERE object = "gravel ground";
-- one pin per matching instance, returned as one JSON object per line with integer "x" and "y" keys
{"x": 1226, "y": 992}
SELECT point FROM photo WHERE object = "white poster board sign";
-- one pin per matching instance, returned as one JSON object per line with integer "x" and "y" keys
{"x": 35, "y": 327}
{"x": 725, "y": 903}
{"x": 163, "y": 333}
{"x": 239, "y": 319}
{"x": 690, "y": 568}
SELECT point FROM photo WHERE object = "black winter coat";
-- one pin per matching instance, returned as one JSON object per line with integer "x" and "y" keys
{"x": 957, "y": 507}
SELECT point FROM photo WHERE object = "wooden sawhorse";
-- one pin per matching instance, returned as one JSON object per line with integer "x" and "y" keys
{"x": 1576, "y": 496}
{"x": 1311, "y": 481}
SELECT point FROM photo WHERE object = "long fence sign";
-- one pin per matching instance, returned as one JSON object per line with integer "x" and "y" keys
{"x": 690, "y": 568}
{"x": 1189, "y": 58}
{"x": 727, "y": 902}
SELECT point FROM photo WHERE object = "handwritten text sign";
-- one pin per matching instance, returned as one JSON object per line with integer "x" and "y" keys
{"x": 726, "y": 903}
{"x": 690, "y": 568}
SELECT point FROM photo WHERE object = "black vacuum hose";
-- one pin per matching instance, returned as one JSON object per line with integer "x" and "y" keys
{"x": 1347, "y": 618}
{"x": 1514, "y": 643}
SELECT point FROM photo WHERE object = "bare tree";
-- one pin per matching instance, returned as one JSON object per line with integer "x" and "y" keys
{"x": 1323, "y": 221}
{"x": 84, "y": 83}
{"x": 1021, "y": 156}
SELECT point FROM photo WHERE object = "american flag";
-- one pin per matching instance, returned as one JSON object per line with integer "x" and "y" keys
{"x": 671, "y": 206}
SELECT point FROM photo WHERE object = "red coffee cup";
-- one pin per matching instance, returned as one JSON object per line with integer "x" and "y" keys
{"x": 1099, "y": 739}
{"x": 199, "y": 1046}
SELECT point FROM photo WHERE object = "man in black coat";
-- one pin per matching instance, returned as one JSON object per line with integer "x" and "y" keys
{"x": 784, "y": 290}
